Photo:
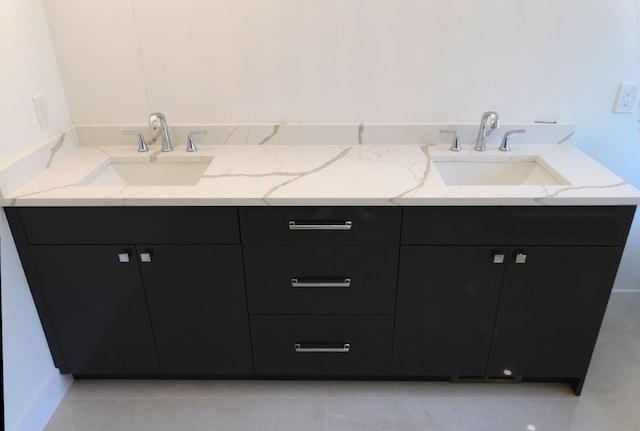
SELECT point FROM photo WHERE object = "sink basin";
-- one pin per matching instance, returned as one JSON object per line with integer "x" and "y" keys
{"x": 147, "y": 174}
{"x": 497, "y": 172}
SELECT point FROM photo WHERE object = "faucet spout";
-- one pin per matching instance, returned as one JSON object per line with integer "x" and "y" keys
{"x": 158, "y": 120}
{"x": 489, "y": 122}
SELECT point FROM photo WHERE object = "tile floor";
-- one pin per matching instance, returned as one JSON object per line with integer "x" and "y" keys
{"x": 610, "y": 399}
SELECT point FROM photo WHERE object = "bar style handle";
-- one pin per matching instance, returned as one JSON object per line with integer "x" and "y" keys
{"x": 300, "y": 282}
{"x": 322, "y": 347}
{"x": 330, "y": 226}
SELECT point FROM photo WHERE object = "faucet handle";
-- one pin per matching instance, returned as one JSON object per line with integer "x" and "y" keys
{"x": 504, "y": 146}
{"x": 455, "y": 145}
{"x": 142, "y": 144}
{"x": 191, "y": 142}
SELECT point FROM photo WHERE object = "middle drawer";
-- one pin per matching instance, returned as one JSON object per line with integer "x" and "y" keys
{"x": 321, "y": 279}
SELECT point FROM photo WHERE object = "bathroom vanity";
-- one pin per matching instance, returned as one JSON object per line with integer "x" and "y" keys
{"x": 412, "y": 292}
{"x": 324, "y": 262}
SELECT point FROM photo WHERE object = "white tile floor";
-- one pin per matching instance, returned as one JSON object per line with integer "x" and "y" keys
{"x": 610, "y": 399}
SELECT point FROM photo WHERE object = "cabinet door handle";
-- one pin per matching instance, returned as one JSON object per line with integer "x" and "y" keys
{"x": 341, "y": 282}
{"x": 322, "y": 348}
{"x": 145, "y": 257}
{"x": 498, "y": 258}
{"x": 347, "y": 225}
{"x": 521, "y": 258}
{"x": 124, "y": 257}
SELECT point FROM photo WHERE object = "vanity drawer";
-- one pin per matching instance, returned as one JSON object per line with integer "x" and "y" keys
{"x": 320, "y": 225}
{"x": 126, "y": 225}
{"x": 552, "y": 225}
{"x": 570, "y": 225}
{"x": 455, "y": 225}
{"x": 321, "y": 279}
{"x": 322, "y": 345}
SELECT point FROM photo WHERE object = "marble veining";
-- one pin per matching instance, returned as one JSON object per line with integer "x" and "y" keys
{"x": 304, "y": 174}
{"x": 273, "y": 133}
{"x": 566, "y": 138}
{"x": 285, "y": 164}
{"x": 226, "y": 139}
{"x": 425, "y": 175}
{"x": 56, "y": 147}
{"x": 555, "y": 193}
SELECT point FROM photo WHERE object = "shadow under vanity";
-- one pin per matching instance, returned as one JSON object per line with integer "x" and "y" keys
{"x": 462, "y": 293}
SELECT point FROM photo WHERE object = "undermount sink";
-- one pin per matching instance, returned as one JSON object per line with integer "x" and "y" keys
{"x": 494, "y": 172}
{"x": 147, "y": 174}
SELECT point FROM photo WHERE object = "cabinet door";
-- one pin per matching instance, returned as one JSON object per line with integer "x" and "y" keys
{"x": 550, "y": 310}
{"x": 447, "y": 300}
{"x": 198, "y": 308}
{"x": 98, "y": 308}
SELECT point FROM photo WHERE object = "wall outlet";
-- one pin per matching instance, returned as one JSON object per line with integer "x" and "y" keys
{"x": 627, "y": 97}
{"x": 42, "y": 110}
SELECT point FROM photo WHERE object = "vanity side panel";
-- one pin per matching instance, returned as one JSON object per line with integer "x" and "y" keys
{"x": 35, "y": 286}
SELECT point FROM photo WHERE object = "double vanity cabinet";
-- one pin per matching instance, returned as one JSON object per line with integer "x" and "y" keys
{"x": 508, "y": 293}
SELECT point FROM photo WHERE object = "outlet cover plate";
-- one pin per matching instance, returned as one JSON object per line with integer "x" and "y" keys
{"x": 627, "y": 97}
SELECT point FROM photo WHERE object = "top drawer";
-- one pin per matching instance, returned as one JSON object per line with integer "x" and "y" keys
{"x": 571, "y": 225}
{"x": 517, "y": 225}
{"x": 320, "y": 225}
{"x": 126, "y": 225}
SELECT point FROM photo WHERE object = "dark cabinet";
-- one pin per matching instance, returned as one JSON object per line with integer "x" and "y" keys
{"x": 97, "y": 304}
{"x": 447, "y": 301}
{"x": 145, "y": 308}
{"x": 387, "y": 292}
{"x": 321, "y": 287}
{"x": 325, "y": 279}
{"x": 523, "y": 298}
{"x": 198, "y": 308}
{"x": 550, "y": 310}
{"x": 322, "y": 345}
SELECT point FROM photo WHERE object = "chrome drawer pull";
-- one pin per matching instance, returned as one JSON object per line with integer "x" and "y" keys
{"x": 295, "y": 282}
{"x": 346, "y": 226}
{"x": 323, "y": 348}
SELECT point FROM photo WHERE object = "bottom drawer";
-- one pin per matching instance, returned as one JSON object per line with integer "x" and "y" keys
{"x": 322, "y": 345}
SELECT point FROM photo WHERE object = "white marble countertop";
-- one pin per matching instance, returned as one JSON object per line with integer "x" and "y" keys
{"x": 320, "y": 175}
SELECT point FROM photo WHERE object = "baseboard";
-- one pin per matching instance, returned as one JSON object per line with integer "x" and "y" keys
{"x": 43, "y": 404}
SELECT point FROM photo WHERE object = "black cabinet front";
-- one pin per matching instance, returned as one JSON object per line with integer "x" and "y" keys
{"x": 97, "y": 304}
{"x": 447, "y": 300}
{"x": 335, "y": 279}
{"x": 481, "y": 291}
{"x": 322, "y": 345}
{"x": 550, "y": 310}
{"x": 198, "y": 308}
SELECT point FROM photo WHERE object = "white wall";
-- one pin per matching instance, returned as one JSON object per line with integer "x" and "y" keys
{"x": 32, "y": 385}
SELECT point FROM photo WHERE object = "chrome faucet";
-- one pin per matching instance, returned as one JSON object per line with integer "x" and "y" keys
{"x": 489, "y": 119}
{"x": 157, "y": 119}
